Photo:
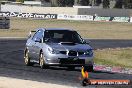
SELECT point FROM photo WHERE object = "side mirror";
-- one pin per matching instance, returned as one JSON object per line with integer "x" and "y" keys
{"x": 86, "y": 42}
{"x": 46, "y": 40}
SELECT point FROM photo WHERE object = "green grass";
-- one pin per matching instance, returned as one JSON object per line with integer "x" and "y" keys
{"x": 95, "y": 30}
{"x": 114, "y": 57}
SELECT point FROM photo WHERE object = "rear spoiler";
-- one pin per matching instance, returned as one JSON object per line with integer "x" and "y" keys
{"x": 31, "y": 33}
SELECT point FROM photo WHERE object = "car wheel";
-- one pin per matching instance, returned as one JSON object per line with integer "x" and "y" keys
{"x": 27, "y": 59}
{"x": 42, "y": 61}
{"x": 89, "y": 68}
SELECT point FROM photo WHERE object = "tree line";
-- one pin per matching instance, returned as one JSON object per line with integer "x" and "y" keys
{"x": 69, "y": 3}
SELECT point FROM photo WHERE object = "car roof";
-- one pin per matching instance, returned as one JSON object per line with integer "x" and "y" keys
{"x": 57, "y": 29}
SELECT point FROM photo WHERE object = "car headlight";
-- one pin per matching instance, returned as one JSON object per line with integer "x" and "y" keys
{"x": 53, "y": 51}
{"x": 89, "y": 52}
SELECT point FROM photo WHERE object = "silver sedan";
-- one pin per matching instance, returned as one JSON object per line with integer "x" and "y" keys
{"x": 58, "y": 47}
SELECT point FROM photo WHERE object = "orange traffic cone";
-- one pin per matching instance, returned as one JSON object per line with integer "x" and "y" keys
{"x": 85, "y": 76}
{"x": 84, "y": 73}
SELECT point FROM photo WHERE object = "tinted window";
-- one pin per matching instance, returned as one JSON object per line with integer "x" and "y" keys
{"x": 38, "y": 35}
{"x": 57, "y": 36}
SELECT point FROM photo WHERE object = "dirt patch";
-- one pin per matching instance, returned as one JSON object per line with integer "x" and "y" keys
{"x": 6, "y": 82}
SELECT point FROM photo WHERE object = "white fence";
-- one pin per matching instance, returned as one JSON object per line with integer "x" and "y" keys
{"x": 11, "y": 8}
{"x": 39, "y": 10}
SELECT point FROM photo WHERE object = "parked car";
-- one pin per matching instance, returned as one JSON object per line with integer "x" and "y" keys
{"x": 58, "y": 47}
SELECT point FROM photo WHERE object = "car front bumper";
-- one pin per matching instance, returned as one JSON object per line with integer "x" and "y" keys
{"x": 60, "y": 59}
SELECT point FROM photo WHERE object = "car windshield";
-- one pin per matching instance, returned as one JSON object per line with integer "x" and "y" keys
{"x": 66, "y": 36}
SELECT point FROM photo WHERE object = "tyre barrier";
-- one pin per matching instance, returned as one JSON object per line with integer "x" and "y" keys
{"x": 4, "y": 22}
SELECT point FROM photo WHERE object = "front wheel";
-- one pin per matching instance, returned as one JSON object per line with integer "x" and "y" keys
{"x": 42, "y": 61}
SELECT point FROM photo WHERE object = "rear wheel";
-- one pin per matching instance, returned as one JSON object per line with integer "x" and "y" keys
{"x": 42, "y": 61}
{"x": 27, "y": 59}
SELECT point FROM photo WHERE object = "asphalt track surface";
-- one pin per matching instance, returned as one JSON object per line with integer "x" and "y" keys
{"x": 12, "y": 65}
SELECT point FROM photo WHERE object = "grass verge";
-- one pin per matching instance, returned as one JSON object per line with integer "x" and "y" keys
{"x": 114, "y": 57}
{"x": 94, "y": 30}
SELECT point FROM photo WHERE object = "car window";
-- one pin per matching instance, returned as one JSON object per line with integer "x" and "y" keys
{"x": 57, "y": 36}
{"x": 38, "y": 35}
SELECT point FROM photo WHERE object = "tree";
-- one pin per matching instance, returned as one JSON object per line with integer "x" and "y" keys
{"x": 128, "y": 4}
{"x": 61, "y": 3}
{"x": 69, "y": 3}
{"x": 20, "y": 1}
{"x": 76, "y": 2}
{"x": 98, "y": 2}
{"x": 106, "y": 3}
{"x": 119, "y": 4}
{"x": 84, "y": 2}
{"x": 54, "y": 3}
{"x": 46, "y": 0}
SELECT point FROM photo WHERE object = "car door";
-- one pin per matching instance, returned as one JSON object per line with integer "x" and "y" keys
{"x": 37, "y": 45}
{"x": 30, "y": 44}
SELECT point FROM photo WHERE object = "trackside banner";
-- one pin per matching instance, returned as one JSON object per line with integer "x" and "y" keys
{"x": 28, "y": 15}
{"x": 65, "y": 17}
{"x": 97, "y": 18}
{"x": 113, "y": 19}
{"x": 75, "y": 17}
{"x": 120, "y": 19}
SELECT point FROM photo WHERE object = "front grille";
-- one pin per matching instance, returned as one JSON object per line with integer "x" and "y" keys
{"x": 80, "y": 53}
{"x": 63, "y": 52}
{"x": 76, "y": 53}
{"x": 72, "y": 61}
{"x": 72, "y": 53}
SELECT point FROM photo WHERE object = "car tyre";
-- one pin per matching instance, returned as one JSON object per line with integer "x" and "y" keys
{"x": 27, "y": 59}
{"x": 42, "y": 61}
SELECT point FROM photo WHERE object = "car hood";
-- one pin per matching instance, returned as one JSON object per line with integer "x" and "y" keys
{"x": 70, "y": 46}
